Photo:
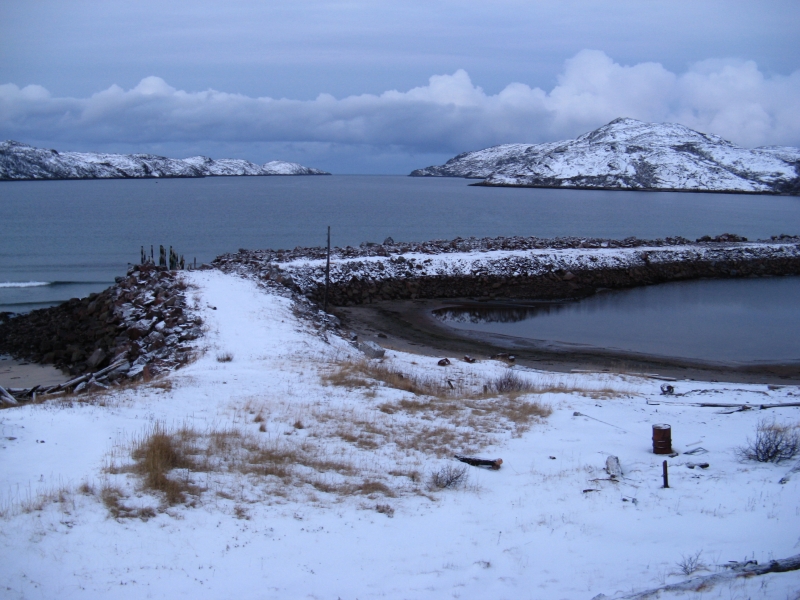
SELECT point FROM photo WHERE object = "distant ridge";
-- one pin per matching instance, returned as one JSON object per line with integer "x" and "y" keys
{"x": 23, "y": 162}
{"x": 627, "y": 154}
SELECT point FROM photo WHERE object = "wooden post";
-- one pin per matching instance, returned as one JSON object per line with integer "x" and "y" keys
{"x": 327, "y": 271}
{"x": 665, "y": 474}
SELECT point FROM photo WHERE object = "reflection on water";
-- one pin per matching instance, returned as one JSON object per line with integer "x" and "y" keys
{"x": 495, "y": 314}
{"x": 748, "y": 320}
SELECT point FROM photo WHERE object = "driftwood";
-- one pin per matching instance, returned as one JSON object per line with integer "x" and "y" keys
{"x": 481, "y": 462}
{"x": 739, "y": 407}
{"x": 16, "y": 393}
{"x": 6, "y": 397}
{"x": 706, "y": 582}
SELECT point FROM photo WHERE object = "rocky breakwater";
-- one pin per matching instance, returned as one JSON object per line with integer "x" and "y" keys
{"x": 135, "y": 328}
{"x": 513, "y": 267}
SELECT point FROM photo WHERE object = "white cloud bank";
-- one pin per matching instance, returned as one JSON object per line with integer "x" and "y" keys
{"x": 730, "y": 98}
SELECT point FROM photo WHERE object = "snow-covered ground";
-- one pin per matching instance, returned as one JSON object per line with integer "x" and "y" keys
{"x": 315, "y": 478}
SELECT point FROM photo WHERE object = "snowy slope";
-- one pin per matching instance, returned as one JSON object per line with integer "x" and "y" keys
{"x": 550, "y": 524}
{"x": 20, "y": 161}
{"x": 630, "y": 154}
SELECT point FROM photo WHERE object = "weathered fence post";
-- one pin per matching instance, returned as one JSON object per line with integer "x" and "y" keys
{"x": 665, "y": 474}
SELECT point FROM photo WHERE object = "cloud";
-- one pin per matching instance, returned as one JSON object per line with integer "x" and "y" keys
{"x": 733, "y": 99}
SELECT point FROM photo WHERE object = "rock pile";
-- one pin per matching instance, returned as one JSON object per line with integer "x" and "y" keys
{"x": 471, "y": 244}
{"x": 139, "y": 326}
{"x": 512, "y": 267}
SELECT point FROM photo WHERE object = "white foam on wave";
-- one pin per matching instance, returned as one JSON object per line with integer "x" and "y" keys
{"x": 23, "y": 284}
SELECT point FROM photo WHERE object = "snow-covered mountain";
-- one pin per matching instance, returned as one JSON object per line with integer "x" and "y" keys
{"x": 630, "y": 154}
{"x": 21, "y": 161}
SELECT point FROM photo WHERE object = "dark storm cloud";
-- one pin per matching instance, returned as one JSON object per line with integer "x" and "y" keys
{"x": 308, "y": 79}
{"x": 450, "y": 114}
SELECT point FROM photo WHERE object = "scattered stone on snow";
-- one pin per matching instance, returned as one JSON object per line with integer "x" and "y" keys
{"x": 371, "y": 349}
{"x": 613, "y": 468}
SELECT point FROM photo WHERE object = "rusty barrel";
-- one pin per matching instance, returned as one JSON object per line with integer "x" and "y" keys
{"x": 662, "y": 439}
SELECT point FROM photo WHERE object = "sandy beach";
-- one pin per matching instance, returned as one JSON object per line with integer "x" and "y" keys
{"x": 16, "y": 373}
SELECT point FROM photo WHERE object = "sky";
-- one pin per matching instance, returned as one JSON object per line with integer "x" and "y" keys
{"x": 387, "y": 87}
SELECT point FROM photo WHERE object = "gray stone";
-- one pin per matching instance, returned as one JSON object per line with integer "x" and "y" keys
{"x": 155, "y": 339}
{"x": 96, "y": 358}
{"x": 191, "y": 334}
{"x": 144, "y": 325}
{"x": 371, "y": 349}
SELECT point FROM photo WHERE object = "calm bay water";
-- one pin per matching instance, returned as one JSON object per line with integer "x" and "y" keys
{"x": 727, "y": 321}
{"x": 74, "y": 237}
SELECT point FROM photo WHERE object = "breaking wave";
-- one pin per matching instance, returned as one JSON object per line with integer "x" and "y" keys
{"x": 24, "y": 284}
{"x": 30, "y": 284}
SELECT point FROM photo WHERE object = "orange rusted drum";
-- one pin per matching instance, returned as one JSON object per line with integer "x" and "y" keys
{"x": 662, "y": 439}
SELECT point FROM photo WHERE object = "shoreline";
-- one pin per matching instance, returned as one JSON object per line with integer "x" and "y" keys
{"x": 19, "y": 373}
{"x": 409, "y": 327}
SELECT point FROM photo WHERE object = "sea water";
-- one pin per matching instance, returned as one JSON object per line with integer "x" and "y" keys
{"x": 731, "y": 321}
{"x": 63, "y": 239}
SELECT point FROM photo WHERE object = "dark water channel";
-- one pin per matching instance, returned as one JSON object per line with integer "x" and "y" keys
{"x": 739, "y": 321}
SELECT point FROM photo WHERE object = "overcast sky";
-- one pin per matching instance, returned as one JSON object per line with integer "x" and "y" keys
{"x": 383, "y": 86}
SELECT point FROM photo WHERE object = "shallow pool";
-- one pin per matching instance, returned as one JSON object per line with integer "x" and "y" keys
{"x": 725, "y": 321}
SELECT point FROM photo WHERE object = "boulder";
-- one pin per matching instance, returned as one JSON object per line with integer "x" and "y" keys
{"x": 371, "y": 349}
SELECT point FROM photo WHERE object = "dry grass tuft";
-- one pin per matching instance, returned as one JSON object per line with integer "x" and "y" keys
{"x": 448, "y": 477}
{"x": 165, "y": 385}
{"x": 224, "y": 357}
{"x": 509, "y": 382}
{"x": 366, "y": 374}
{"x": 371, "y": 488}
{"x": 112, "y": 499}
{"x": 156, "y": 455}
{"x": 169, "y": 462}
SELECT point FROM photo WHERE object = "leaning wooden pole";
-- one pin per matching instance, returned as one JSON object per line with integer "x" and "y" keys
{"x": 327, "y": 271}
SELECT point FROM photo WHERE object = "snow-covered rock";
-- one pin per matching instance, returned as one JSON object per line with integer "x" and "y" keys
{"x": 21, "y": 161}
{"x": 628, "y": 154}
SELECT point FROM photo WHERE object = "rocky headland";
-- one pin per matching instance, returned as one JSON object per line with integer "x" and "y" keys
{"x": 20, "y": 162}
{"x": 627, "y": 154}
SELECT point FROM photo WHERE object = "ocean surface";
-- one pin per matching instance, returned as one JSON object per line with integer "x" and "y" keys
{"x": 732, "y": 321}
{"x": 64, "y": 239}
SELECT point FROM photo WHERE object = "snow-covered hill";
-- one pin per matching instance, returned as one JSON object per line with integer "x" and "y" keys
{"x": 630, "y": 154}
{"x": 21, "y": 161}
